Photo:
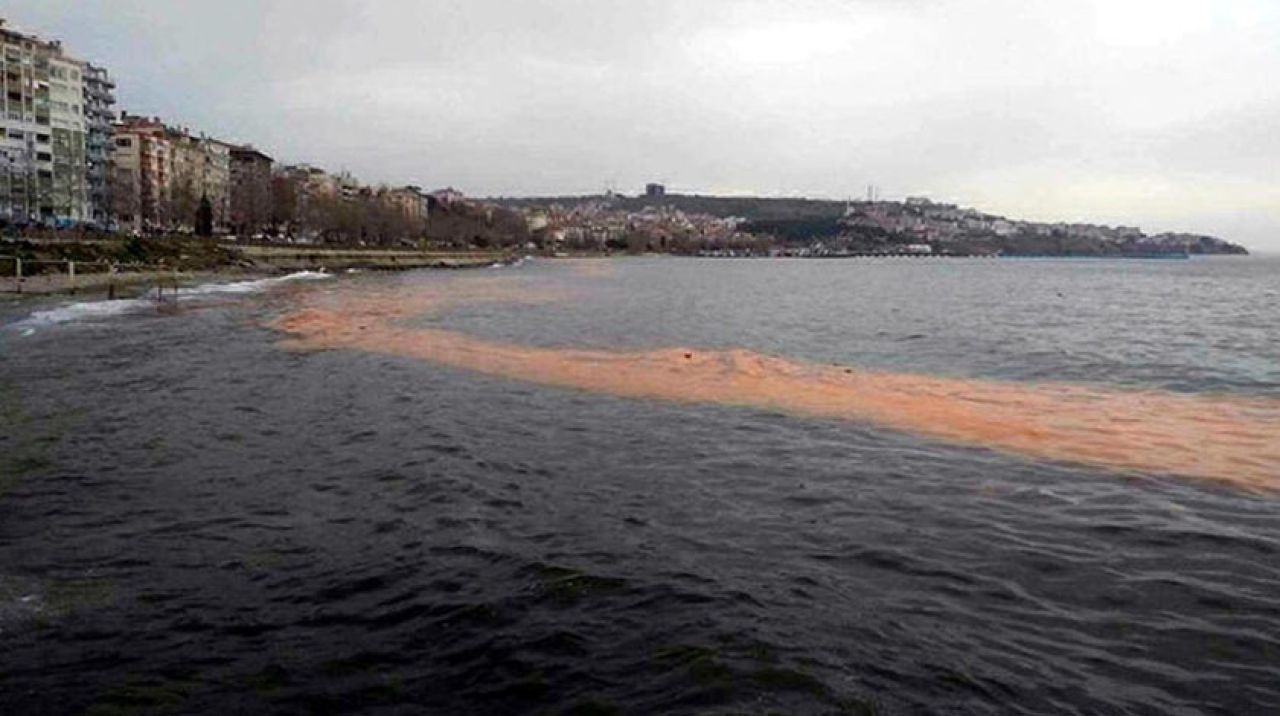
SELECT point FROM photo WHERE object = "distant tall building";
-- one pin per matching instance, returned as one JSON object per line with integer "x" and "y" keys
{"x": 44, "y": 170}
{"x": 250, "y": 190}
{"x": 655, "y": 191}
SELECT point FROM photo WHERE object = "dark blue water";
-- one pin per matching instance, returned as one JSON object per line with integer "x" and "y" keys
{"x": 193, "y": 520}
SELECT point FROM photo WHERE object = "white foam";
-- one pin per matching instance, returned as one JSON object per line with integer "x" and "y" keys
{"x": 97, "y": 310}
{"x": 251, "y": 286}
{"x": 514, "y": 264}
{"x": 87, "y": 310}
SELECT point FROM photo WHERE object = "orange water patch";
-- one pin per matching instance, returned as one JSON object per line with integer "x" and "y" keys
{"x": 1228, "y": 439}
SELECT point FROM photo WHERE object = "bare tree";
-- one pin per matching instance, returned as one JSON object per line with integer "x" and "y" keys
{"x": 252, "y": 207}
{"x": 179, "y": 207}
{"x": 285, "y": 195}
{"x": 126, "y": 197}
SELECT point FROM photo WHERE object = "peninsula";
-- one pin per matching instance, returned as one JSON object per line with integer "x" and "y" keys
{"x": 690, "y": 224}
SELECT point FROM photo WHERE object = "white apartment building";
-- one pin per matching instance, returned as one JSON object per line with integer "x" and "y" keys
{"x": 43, "y": 132}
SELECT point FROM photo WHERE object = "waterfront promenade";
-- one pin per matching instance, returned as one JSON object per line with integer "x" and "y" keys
{"x": 47, "y": 275}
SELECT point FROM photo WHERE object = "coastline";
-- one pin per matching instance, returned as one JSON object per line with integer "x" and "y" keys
{"x": 75, "y": 267}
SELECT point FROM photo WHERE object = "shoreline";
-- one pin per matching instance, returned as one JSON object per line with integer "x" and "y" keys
{"x": 174, "y": 265}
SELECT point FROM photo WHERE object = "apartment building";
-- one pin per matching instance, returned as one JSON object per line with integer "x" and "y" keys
{"x": 162, "y": 174}
{"x": 201, "y": 172}
{"x": 251, "y": 205}
{"x": 44, "y": 131}
{"x": 99, "y": 102}
{"x": 408, "y": 200}
{"x": 142, "y": 160}
{"x": 215, "y": 180}
{"x": 70, "y": 196}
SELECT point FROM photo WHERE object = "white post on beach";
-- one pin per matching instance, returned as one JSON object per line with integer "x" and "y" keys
{"x": 17, "y": 273}
{"x": 71, "y": 275}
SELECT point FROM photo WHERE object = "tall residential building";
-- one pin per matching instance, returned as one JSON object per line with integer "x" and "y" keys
{"x": 69, "y": 129}
{"x": 142, "y": 164}
{"x": 185, "y": 181}
{"x": 215, "y": 181}
{"x": 250, "y": 190}
{"x": 98, "y": 103}
{"x": 43, "y": 162}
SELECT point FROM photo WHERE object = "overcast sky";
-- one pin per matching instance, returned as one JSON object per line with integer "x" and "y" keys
{"x": 1159, "y": 113}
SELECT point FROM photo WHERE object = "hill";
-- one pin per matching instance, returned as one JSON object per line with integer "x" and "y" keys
{"x": 891, "y": 225}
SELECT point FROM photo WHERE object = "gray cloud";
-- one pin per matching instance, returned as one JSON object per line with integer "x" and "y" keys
{"x": 1142, "y": 112}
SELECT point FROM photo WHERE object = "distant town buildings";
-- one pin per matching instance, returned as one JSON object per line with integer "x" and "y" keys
{"x": 604, "y": 225}
{"x": 445, "y": 197}
{"x": 655, "y": 191}
{"x": 926, "y": 221}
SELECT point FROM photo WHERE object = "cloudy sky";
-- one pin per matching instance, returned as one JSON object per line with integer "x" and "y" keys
{"x": 1159, "y": 113}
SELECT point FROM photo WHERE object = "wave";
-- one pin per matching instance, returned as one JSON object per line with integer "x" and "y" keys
{"x": 85, "y": 311}
{"x": 252, "y": 286}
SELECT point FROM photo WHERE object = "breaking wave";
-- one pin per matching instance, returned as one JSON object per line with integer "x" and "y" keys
{"x": 255, "y": 285}
{"x": 83, "y": 311}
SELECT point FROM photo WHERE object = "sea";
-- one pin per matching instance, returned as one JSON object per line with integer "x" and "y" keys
{"x": 649, "y": 485}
